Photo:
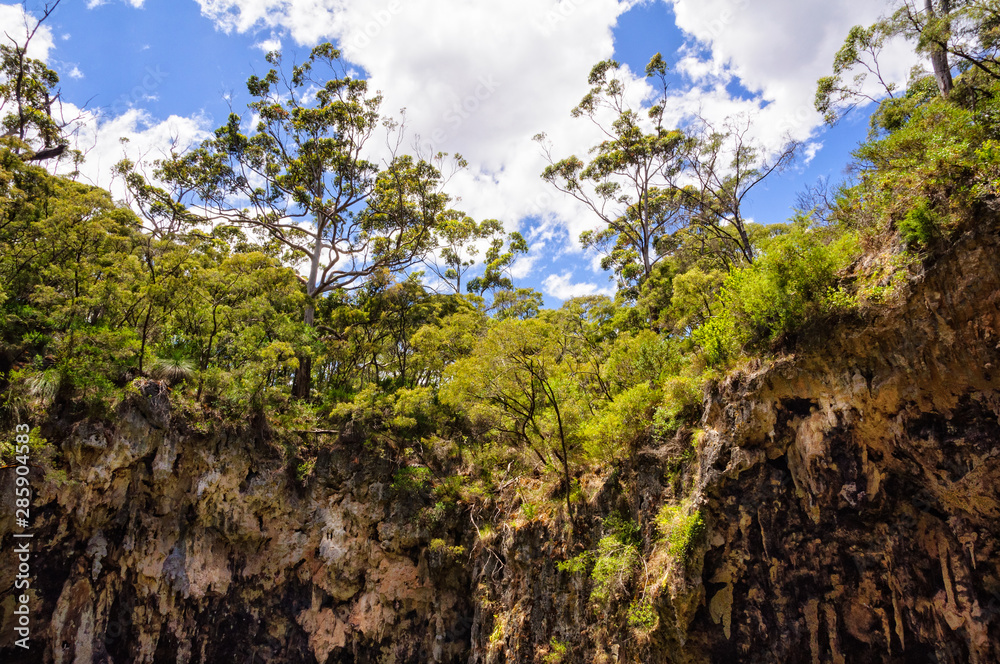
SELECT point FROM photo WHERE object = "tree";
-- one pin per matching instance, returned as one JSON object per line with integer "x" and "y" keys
{"x": 962, "y": 33}
{"x": 727, "y": 166}
{"x": 28, "y": 86}
{"x": 456, "y": 236}
{"x": 835, "y": 96}
{"x": 302, "y": 178}
{"x": 647, "y": 185}
{"x": 518, "y": 380}
{"x": 629, "y": 184}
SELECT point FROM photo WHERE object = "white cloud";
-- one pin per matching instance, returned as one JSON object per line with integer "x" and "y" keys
{"x": 100, "y": 137}
{"x": 476, "y": 78}
{"x": 777, "y": 49}
{"x": 15, "y": 24}
{"x": 561, "y": 286}
{"x": 75, "y": 72}
{"x": 482, "y": 78}
{"x": 268, "y": 45}
{"x": 91, "y": 4}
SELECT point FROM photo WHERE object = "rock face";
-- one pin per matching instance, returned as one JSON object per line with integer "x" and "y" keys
{"x": 850, "y": 493}
{"x": 854, "y": 493}
{"x": 165, "y": 545}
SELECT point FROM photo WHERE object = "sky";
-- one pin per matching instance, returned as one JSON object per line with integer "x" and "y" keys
{"x": 476, "y": 77}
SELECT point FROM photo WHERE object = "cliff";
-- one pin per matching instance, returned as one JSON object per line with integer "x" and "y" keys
{"x": 848, "y": 489}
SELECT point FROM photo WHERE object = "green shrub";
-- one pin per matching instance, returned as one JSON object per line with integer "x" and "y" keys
{"x": 614, "y": 564}
{"x": 682, "y": 397}
{"x": 642, "y": 615}
{"x": 920, "y": 225}
{"x": 411, "y": 479}
{"x": 790, "y": 282}
{"x": 679, "y": 527}
{"x": 557, "y": 652}
{"x": 621, "y": 423}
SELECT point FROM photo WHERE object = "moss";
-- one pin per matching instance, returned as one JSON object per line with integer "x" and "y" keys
{"x": 558, "y": 650}
{"x": 642, "y": 615}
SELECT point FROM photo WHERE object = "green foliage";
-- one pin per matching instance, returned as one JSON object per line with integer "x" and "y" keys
{"x": 679, "y": 527}
{"x": 411, "y": 479}
{"x": 304, "y": 469}
{"x": 496, "y": 636}
{"x": 919, "y": 227}
{"x": 612, "y": 432}
{"x": 37, "y": 446}
{"x": 614, "y": 564}
{"x": 558, "y": 651}
{"x": 682, "y": 398}
{"x": 628, "y": 184}
{"x": 642, "y": 615}
{"x": 787, "y": 285}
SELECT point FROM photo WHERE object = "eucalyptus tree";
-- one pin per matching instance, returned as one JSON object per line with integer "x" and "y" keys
{"x": 517, "y": 380}
{"x": 727, "y": 165}
{"x": 630, "y": 181}
{"x": 28, "y": 93}
{"x": 303, "y": 177}
{"x": 952, "y": 34}
{"x": 457, "y": 236}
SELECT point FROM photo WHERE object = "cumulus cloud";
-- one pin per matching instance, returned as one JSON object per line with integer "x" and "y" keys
{"x": 777, "y": 49}
{"x": 476, "y": 78}
{"x": 268, "y": 45}
{"x": 100, "y": 138}
{"x": 16, "y": 25}
{"x": 561, "y": 286}
{"x": 483, "y": 78}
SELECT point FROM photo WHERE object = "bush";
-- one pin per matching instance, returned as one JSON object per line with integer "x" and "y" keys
{"x": 622, "y": 422}
{"x": 557, "y": 652}
{"x": 780, "y": 291}
{"x": 614, "y": 564}
{"x": 411, "y": 479}
{"x": 679, "y": 527}
{"x": 642, "y": 615}
{"x": 682, "y": 397}
{"x": 919, "y": 227}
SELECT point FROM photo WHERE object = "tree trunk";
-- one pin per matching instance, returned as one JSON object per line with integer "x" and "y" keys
{"x": 939, "y": 54}
{"x": 302, "y": 385}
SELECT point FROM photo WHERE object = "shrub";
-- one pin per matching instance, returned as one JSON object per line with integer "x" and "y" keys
{"x": 621, "y": 423}
{"x": 411, "y": 479}
{"x": 783, "y": 288}
{"x": 642, "y": 615}
{"x": 172, "y": 369}
{"x": 919, "y": 227}
{"x": 679, "y": 527}
{"x": 557, "y": 652}
{"x": 682, "y": 397}
{"x": 614, "y": 564}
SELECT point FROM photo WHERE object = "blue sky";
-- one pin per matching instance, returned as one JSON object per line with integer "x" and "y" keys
{"x": 162, "y": 73}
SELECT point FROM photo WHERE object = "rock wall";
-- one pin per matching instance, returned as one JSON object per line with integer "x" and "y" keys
{"x": 163, "y": 544}
{"x": 853, "y": 489}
